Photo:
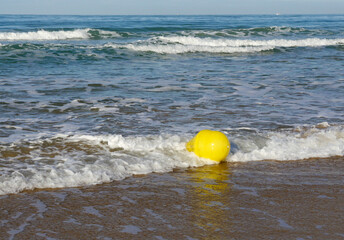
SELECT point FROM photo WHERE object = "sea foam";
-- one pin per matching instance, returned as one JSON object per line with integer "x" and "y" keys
{"x": 70, "y": 161}
{"x": 190, "y": 44}
{"x": 308, "y": 42}
{"x": 316, "y": 142}
{"x": 46, "y": 35}
{"x": 79, "y": 160}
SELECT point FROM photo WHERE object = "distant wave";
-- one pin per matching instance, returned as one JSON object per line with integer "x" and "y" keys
{"x": 46, "y": 35}
{"x": 308, "y": 42}
{"x": 164, "y": 43}
{"x": 183, "y": 44}
{"x": 89, "y": 33}
{"x": 58, "y": 35}
{"x": 255, "y": 32}
{"x": 179, "y": 49}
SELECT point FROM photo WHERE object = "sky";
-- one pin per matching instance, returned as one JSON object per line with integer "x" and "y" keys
{"x": 171, "y": 7}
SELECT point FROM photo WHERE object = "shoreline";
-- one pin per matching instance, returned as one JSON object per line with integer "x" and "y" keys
{"x": 265, "y": 200}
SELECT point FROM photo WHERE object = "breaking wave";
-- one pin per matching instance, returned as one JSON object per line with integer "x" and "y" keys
{"x": 79, "y": 160}
{"x": 182, "y": 44}
{"x": 57, "y": 35}
{"x": 46, "y": 35}
{"x": 193, "y": 41}
{"x": 321, "y": 141}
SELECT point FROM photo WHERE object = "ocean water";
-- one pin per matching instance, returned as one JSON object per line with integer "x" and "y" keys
{"x": 86, "y": 100}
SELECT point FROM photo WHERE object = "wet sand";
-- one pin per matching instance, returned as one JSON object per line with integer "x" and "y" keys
{"x": 255, "y": 200}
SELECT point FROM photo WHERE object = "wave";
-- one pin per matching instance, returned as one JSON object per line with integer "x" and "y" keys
{"x": 271, "y": 31}
{"x": 182, "y": 44}
{"x": 179, "y": 48}
{"x": 46, "y": 35}
{"x": 164, "y": 42}
{"x": 257, "y": 32}
{"x": 79, "y": 160}
{"x": 321, "y": 141}
{"x": 70, "y": 161}
{"x": 58, "y": 35}
{"x": 308, "y": 42}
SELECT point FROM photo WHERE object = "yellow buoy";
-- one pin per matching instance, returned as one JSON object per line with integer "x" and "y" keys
{"x": 210, "y": 144}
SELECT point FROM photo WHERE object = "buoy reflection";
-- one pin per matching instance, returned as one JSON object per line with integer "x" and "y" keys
{"x": 211, "y": 196}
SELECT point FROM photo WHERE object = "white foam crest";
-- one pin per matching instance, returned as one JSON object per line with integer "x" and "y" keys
{"x": 189, "y": 44}
{"x": 244, "y": 32}
{"x": 282, "y": 29}
{"x": 46, "y": 35}
{"x": 113, "y": 157}
{"x": 210, "y": 42}
{"x": 109, "y": 33}
{"x": 167, "y": 89}
{"x": 179, "y": 48}
{"x": 142, "y": 144}
{"x": 313, "y": 143}
{"x": 79, "y": 160}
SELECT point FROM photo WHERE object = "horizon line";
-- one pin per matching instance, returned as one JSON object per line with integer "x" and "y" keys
{"x": 186, "y": 14}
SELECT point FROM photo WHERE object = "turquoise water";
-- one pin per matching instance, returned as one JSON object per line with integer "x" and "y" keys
{"x": 91, "y": 99}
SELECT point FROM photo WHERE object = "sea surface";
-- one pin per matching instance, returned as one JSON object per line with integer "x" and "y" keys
{"x": 95, "y": 112}
{"x": 86, "y": 100}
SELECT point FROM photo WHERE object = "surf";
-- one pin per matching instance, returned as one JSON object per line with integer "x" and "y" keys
{"x": 188, "y": 44}
{"x": 81, "y": 160}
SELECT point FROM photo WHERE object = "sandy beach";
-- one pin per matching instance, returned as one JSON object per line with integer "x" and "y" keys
{"x": 255, "y": 200}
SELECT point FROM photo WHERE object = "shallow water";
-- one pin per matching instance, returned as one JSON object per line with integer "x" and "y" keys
{"x": 255, "y": 200}
{"x": 86, "y": 100}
